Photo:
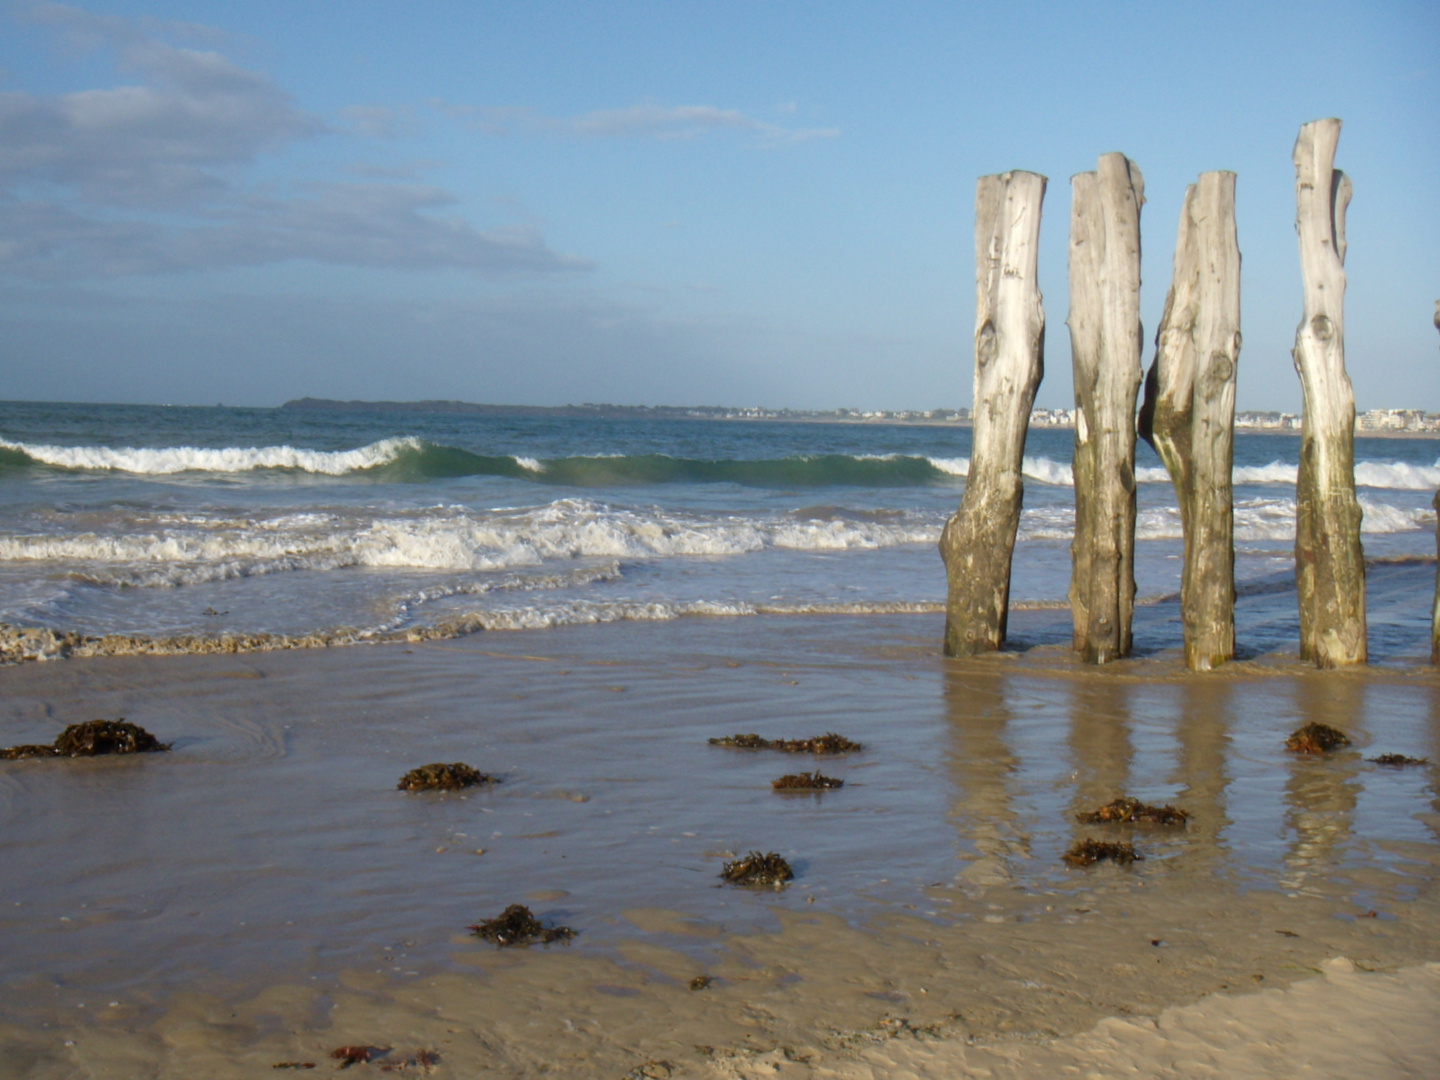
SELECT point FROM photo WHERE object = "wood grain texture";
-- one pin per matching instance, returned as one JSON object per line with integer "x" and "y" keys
{"x": 1329, "y": 560}
{"x": 1189, "y": 411}
{"x": 1435, "y": 607}
{"x": 978, "y": 541}
{"x": 1105, "y": 345}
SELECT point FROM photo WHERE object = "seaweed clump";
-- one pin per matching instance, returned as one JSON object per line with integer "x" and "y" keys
{"x": 1397, "y": 760}
{"x": 1315, "y": 739}
{"x": 517, "y": 925}
{"x": 806, "y": 781}
{"x": 758, "y": 869}
{"x": 1086, "y": 852}
{"x": 354, "y": 1055}
{"x": 91, "y": 738}
{"x": 1128, "y": 810}
{"x": 829, "y": 743}
{"x": 27, "y": 750}
{"x": 442, "y": 777}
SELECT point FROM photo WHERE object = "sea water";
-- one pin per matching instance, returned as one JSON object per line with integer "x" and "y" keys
{"x": 755, "y": 576}
{"x": 157, "y": 520}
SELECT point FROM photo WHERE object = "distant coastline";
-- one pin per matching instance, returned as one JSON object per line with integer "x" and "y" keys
{"x": 947, "y": 417}
{"x": 1377, "y": 423}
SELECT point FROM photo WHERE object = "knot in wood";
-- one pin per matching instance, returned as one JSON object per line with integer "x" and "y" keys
{"x": 1221, "y": 367}
{"x": 1322, "y": 328}
{"x": 986, "y": 346}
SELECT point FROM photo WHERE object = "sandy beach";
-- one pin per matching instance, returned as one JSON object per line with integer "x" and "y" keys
{"x": 262, "y": 894}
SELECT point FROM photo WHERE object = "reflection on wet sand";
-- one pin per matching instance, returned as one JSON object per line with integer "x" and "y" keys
{"x": 1321, "y": 790}
{"x": 1206, "y": 714}
{"x": 983, "y": 766}
{"x": 1100, "y": 745}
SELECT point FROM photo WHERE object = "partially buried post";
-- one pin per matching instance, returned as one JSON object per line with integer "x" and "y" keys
{"x": 1435, "y": 610}
{"x": 1189, "y": 411}
{"x": 979, "y": 540}
{"x": 1105, "y": 346}
{"x": 1329, "y": 561}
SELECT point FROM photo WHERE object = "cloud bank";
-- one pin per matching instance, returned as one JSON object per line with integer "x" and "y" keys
{"x": 154, "y": 176}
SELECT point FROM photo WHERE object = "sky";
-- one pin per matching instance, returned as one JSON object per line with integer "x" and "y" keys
{"x": 669, "y": 203}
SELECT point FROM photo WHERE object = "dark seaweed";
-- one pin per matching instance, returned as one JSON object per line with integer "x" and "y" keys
{"x": 355, "y": 1055}
{"x": 806, "y": 781}
{"x": 757, "y": 869}
{"x": 91, "y": 738}
{"x": 1086, "y": 852}
{"x": 26, "y": 750}
{"x": 517, "y": 925}
{"x": 1315, "y": 739}
{"x": 829, "y": 743}
{"x": 1129, "y": 810}
{"x": 1398, "y": 760}
{"x": 442, "y": 777}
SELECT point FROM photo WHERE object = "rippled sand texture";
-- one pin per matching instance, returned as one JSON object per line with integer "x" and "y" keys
{"x": 263, "y": 893}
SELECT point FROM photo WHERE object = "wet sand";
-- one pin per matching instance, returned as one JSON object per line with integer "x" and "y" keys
{"x": 263, "y": 894}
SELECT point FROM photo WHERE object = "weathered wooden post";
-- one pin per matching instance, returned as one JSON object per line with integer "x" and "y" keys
{"x": 1189, "y": 411}
{"x": 979, "y": 539}
{"x": 1105, "y": 344}
{"x": 1435, "y": 610}
{"x": 1329, "y": 562}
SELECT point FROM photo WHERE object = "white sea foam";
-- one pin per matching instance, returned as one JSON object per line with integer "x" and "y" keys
{"x": 1277, "y": 472}
{"x": 1041, "y": 469}
{"x": 168, "y": 549}
{"x": 230, "y": 459}
{"x": 959, "y": 466}
{"x": 1398, "y": 475}
{"x": 1256, "y": 520}
{"x": 585, "y": 612}
{"x": 1392, "y": 475}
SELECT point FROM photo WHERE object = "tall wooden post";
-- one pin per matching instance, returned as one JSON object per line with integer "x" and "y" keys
{"x": 1435, "y": 610}
{"x": 1105, "y": 344}
{"x": 1189, "y": 411}
{"x": 979, "y": 539}
{"x": 1329, "y": 562}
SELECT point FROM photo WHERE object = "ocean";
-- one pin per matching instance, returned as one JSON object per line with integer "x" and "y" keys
{"x": 578, "y": 606}
{"x": 158, "y": 522}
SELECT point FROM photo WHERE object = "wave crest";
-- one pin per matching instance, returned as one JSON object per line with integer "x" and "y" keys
{"x": 165, "y": 461}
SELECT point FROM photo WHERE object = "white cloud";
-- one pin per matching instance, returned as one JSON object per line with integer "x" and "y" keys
{"x": 153, "y": 177}
{"x": 350, "y": 224}
{"x": 645, "y": 120}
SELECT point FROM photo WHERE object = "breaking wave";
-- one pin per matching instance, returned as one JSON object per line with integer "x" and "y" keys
{"x": 172, "y": 550}
{"x": 408, "y": 458}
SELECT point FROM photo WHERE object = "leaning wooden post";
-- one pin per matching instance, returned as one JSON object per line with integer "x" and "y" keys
{"x": 1435, "y": 610}
{"x": 1329, "y": 562}
{"x": 1189, "y": 411}
{"x": 979, "y": 539}
{"x": 1105, "y": 345}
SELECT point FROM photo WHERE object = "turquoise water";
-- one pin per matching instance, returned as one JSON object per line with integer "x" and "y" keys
{"x": 158, "y": 520}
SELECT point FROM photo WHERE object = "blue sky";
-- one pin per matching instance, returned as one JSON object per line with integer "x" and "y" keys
{"x": 664, "y": 203}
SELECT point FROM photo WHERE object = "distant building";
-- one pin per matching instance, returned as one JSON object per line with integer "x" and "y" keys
{"x": 1396, "y": 420}
{"x": 1052, "y": 418}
